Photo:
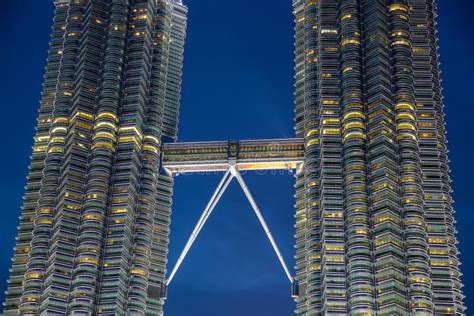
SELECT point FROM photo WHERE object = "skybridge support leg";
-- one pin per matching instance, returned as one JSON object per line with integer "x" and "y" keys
{"x": 241, "y": 181}
{"x": 226, "y": 179}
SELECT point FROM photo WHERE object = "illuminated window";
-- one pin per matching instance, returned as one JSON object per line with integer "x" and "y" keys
{"x": 350, "y": 41}
{"x": 328, "y": 31}
{"x": 346, "y": 16}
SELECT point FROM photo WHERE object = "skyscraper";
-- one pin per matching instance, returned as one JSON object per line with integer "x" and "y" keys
{"x": 375, "y": 226}
{"x": 94, "y": 227}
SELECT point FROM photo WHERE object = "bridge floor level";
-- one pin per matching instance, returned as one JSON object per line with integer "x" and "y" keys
{"x": 266, "y": 154}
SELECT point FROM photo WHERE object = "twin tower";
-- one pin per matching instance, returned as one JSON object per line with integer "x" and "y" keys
{"x": 374, "y": 222}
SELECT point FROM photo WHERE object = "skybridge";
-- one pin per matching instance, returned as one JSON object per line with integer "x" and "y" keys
{"x": 231, "y": 157}
{"x": 270, "y": 154}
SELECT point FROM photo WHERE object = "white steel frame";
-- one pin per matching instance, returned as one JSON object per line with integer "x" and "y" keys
{"x": 231, "y": 173}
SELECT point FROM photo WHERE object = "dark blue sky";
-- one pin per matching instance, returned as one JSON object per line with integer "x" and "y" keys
{"x": 237, "y": 85}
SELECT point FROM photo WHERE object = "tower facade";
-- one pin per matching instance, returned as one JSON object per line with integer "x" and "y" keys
{"x": 374, "y": 218}
{"x": 93, "y": 232}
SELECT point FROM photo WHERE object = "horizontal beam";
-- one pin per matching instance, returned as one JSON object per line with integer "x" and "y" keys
{"x": 195, "y": 157}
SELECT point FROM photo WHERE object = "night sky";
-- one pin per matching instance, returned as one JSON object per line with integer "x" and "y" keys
{"x": 238, "y": 84}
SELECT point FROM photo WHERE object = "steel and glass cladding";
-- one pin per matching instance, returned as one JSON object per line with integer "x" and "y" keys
{"x": 374, "y": 222}
{"x": 375, "y": 228}
{"x": 245, "y": 155}
{"x": 94, "y": 228}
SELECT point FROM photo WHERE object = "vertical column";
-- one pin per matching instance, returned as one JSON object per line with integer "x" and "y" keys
{"x": 359, "y": 256}
{"x": 300, "y": 186}
{"x": 174, "y": 70}
{"x": 36, "y": 278}
{"x": 146, "y": 202}
{"x": 416, "y": 252}
{"x": 119, "y": 246}
{"x": 312, "y": 169}
{"x": 333, "y": 263}
{"x": 169, "y": 39}
{"x": 35, "y": 176}
{"x": 94, "y": 211}
{"x": 443, "y": 253}
{"x": 324, "y": 262}
{"x": 384, "y": 207}
{"x": 70, "y": 193}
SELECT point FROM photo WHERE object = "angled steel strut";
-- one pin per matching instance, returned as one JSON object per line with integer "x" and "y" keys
{"x": 202, "y": 220}
{"x": 231, "y": 173}
{"x": 241, "y": 181}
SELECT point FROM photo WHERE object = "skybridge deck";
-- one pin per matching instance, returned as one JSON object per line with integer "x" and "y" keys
{"x": 270, "y": 154}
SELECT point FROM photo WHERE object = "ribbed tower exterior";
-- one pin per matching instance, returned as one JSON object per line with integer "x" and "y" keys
{"x": 374, "y": 218}
{"x": 93, "y": 232}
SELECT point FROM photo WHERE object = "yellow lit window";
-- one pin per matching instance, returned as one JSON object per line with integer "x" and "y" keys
{"x": 93, "y": 217}
{"x": 401, "y": 42}
{"x": 346, "y": 69}
{"x": 314, "y": 267}
{"x": 83, "y": 125}
{"x": 56, "y": 150}
{"x": 353, "y": 115}
{"x": 44, "y": 211}
{"x": 140, "y": 17}
{"x": 331, "y": 131}
{"x": 330, "y": 102}
{"x": 335, "y": 247}
{"x": 328, "y": 31}
{"x": 398, "y": 7}
{"x": 437, "y": 240}
{"x": 405, "y": 116}
{"x": 33, "y": 275}
{"x": 346, "y": 16}
{"x": 119, "y": 211}
{"x": 406, "y": 126}
{"x": 350, "y": 41}
{"x": 334, "y": 215}
{"x": 107, "y": 115}
{"x": 354, "y": 135}
{"x": 418, "y": 280}
{"x": 63, "y": 120}
{"x": 151, "y": 148}
{"x": 313, "y": 183}
{"x": 331, "y": 122}
{"x": 152, "y": 138}
{"x": 353, "y": 125}
{"x": 83, "y": 115}
{"x": 438, "y": 252}
{"x": 337, "y": 259}
{"x": 104, "y": 135}
{"x": 57, "y": 140}
{"x": 89, "y": 260}
{"x": 312, "y": 132}
{"x": 138, "y": 271}
{"x": 39, "y": 148}
{"x": 103, "y": 145}
{"x": 403, "y": 136}
{"x": 312, "y": 142}
{"x": 45, "y": 221}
